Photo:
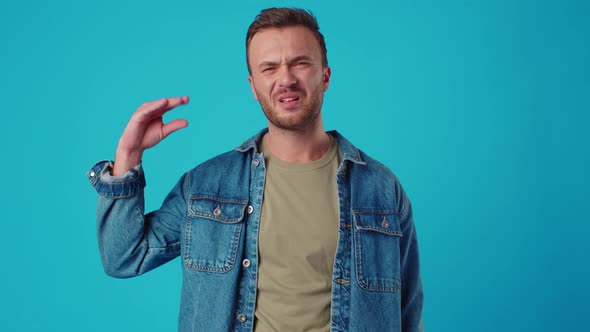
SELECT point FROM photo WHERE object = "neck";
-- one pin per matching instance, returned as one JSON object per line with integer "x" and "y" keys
{"x": 298, "y": 146}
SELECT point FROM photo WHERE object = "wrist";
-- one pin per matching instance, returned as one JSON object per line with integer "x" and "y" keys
{"x": 124, "y": 161}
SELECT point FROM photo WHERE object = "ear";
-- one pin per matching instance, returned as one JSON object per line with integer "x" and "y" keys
{"x": 251, "y": 81}
{"x": 327, "y": 74}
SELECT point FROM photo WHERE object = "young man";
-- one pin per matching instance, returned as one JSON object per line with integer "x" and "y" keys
{"x": 295, "y": 230}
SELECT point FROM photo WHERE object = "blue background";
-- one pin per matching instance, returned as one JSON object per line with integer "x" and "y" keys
{"x": 480, "y": 107}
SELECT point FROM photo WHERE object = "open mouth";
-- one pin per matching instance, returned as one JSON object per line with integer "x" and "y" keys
{"x": 287, "y": 100}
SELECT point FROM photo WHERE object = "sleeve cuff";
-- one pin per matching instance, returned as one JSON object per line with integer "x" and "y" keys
{"x": 105, "y": 184}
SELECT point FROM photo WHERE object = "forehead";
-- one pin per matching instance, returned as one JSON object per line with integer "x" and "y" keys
{"x": 284, "y": 42}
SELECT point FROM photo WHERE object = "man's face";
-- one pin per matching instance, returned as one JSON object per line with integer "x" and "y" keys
{"x": 288, "y": 78}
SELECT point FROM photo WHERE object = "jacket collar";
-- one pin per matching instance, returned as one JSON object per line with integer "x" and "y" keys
{"x": 349, "y": 151}
{"x": 252, "y": 142}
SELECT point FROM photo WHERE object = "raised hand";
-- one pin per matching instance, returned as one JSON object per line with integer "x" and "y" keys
{"x": 144, "y": 130}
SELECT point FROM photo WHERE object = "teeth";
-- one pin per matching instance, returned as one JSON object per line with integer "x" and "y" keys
{"x": 288, "y": 99}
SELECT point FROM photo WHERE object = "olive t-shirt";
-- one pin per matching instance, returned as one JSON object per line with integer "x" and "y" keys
{"x": 297, "y": 243}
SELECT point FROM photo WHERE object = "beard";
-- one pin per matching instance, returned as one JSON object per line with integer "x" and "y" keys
{"x": 300, "y": 119}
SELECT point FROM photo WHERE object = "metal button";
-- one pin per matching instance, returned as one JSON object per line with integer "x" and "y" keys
{"x": 92, "y": 174}
{"x": 255, "y": 162}
{"x": 241, "y": 318}
{"x": 217, "y": 211}
{"x": 342, "y": 281}
{"x": 384, "y": 223}
{"x": 246, "y": 262}
{"x": 250, "y": 209}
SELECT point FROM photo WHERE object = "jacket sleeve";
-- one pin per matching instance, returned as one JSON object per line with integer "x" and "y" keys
{"x": 130, "y": 242}
{"x": 412, "y": 292}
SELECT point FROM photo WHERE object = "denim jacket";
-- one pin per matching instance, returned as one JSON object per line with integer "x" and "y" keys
{"x": 211, "y": 220}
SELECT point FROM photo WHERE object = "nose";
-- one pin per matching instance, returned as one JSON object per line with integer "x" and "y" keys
{"x": 286, "y": 78}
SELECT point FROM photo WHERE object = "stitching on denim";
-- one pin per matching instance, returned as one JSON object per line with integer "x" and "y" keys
{"x": 190, "y": 262}
{"x": 165, "y": 248}
{"x": 117, "y": 196}
{"x": 217, "y": 218}
{"x": 379, "y": 230}
{"x": 393, "y": 232}
{"x": 359, "y": 265}
{"x": 187, "y": 239}
{"x": 373, "y": 211}
{"x": 217, "y": 199}
{"x": 187, "y": 225}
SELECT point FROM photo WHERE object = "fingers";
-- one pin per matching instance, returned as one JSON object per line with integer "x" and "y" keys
{"x": 173, "y": 126}
{"x": 157, "y": 108}
{"x": 176, "y": 101}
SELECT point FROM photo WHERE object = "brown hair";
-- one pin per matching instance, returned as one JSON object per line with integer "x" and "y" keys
{"x": 285, "y": 17}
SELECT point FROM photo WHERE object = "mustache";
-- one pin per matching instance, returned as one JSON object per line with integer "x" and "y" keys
{"x": 288, "y": 90}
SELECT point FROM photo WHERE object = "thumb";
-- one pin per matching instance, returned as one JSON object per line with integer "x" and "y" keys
{"x": 173, "y": 126}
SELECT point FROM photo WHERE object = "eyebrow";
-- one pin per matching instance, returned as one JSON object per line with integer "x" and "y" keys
{"x": 290, "y": 61}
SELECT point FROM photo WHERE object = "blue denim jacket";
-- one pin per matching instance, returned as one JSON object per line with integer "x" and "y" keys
{"x": 211, "y": 220}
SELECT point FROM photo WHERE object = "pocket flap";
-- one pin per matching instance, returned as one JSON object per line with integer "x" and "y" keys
{"x": 227, "y": 211}
{"x": 382, "y": 222}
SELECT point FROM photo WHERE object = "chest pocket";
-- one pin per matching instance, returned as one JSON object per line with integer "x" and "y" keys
{"x": 212, "y": 233}
{"x": 376, "y": 250}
